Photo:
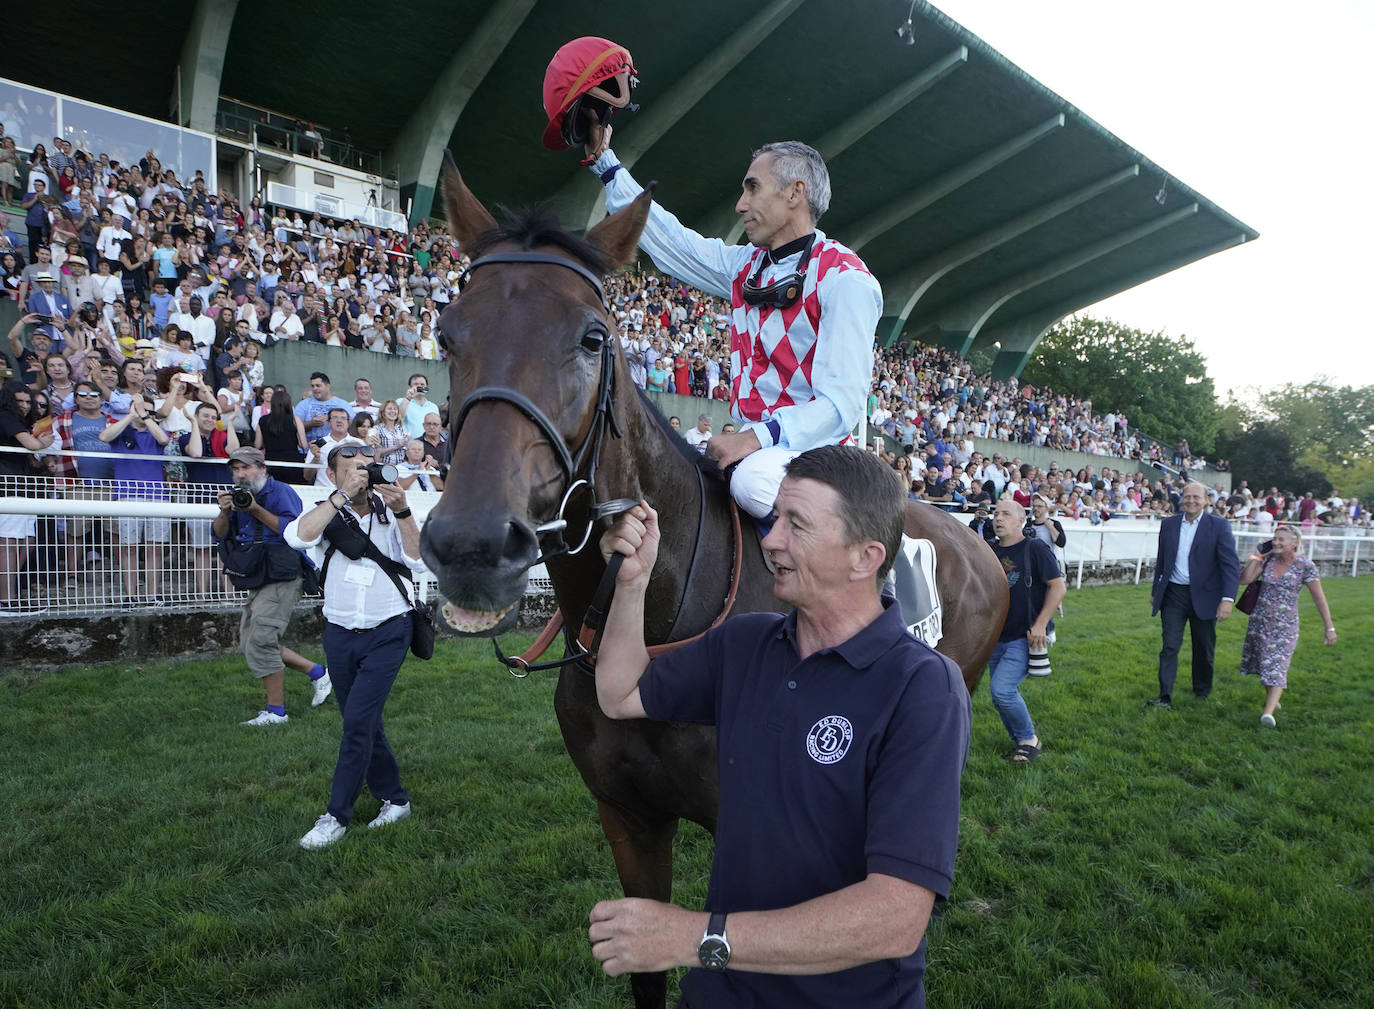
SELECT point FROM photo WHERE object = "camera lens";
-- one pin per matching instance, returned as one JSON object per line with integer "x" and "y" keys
{"x": 380, "y": 472}
{"x": 242, "y": 498}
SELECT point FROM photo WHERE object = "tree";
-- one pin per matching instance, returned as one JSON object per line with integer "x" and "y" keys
{"x": 1262, "y": 453}
{"x": 1160, "y": 382}
{"x": 1332, "y": 428}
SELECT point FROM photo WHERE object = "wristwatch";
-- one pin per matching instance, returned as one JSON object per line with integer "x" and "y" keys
{"x": 713, "y": 951}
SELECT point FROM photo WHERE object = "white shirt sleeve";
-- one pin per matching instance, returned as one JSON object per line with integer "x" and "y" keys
{"x": 707, "y": 264}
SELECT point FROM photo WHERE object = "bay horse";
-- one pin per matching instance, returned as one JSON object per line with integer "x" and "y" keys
{"x": 541, "y": 401}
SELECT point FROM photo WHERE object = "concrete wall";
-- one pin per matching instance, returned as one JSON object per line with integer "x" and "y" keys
{"x": 290, "y": 364}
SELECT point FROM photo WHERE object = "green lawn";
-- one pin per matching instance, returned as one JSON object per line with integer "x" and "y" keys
{"x": 1149, "y": 858}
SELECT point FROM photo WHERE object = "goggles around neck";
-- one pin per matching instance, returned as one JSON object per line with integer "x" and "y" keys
{"x": 785, "y": 291}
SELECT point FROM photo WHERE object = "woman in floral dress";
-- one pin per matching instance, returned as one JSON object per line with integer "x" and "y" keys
{"x": 1273, "y": 630}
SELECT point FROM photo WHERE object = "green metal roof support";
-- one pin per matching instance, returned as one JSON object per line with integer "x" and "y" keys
{"x": 886, "y": 218}
{"x": 196, "y": 98}
{"x": 1017, "y": 339}
{"x": 972, "y": 313}
{"x": 901, "y": 296}
{"x": 419, "y": 148}
{"x": 867, "y": 118}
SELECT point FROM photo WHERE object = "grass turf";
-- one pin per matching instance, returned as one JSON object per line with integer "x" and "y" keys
{"x": 1149, "y": 858}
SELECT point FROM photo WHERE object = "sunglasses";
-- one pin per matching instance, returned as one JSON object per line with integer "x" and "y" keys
{"x": 349, "y": 451}
{"x": 88, "y": 395}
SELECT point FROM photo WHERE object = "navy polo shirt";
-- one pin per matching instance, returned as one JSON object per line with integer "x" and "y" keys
{"x": 831, "y": 768}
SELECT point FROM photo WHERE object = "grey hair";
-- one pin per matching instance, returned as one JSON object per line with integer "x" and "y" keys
{"x": 794, "y": 161}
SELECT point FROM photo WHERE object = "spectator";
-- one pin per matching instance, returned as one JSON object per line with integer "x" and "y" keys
{"x": 415, "y": 472}
{"x": 392, "y": 435}
{"x": 698, "y": 436}
{"x": 138, "y": 433}
{"x": 362, "y": 399}
{"x": 320, "y": 448}
{"x": 314, "y": 408}
{"x": 79, "y": 429}
{"x": 435, "y": 441}
{"x": 281, "y": 438}
{"x": 364, "y": 429}
{"x": 417, "y": 405}
{"x": 51, "y": 308}
{"x": 209, "y": 438}
{"x": 17, "y": 532}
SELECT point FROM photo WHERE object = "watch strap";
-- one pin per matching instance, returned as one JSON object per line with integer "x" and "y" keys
{"x": 716, "y": 926}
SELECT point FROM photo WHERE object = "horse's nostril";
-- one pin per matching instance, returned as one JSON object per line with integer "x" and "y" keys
{"x": 521, "y": 545}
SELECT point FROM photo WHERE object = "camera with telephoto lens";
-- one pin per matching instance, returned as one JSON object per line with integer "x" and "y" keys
{"x": 241, "y": 498}
{"x": 380, "y": 472}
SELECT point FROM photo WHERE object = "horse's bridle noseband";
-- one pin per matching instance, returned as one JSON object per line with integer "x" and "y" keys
{"x": 582, "y": 648}
{"x": 589, "y": 452}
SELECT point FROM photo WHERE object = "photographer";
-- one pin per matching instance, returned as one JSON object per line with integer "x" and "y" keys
{"x": 373, "y": 545}
{"x": 248, "y": 532}
{"x": 416, "y": 407}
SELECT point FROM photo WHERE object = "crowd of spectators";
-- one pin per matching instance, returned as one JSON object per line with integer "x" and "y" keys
{"x": 149, "y": 300}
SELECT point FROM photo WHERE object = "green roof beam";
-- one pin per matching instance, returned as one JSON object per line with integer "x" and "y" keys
{"x": 869, "y": 117}
{"x": 195, "y": 101}
{"x": 419, "y": 148}
{"x": 972, "y": 313}
{"x": 888, "y": 217}
{"x": 901, "y": 296}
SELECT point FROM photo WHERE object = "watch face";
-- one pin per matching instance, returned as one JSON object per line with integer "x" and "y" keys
{"x": 714, "y": 953}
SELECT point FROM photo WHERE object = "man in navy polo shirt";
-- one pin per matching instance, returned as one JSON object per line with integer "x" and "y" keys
{"x": 841, "y": 741}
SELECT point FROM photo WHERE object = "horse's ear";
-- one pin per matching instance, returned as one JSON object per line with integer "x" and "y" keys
{"x": 467, "y": 218}
{"x": 618, "y": 234}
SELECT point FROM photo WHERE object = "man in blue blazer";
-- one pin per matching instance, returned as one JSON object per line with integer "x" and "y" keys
{"x": 1196, "y": 572}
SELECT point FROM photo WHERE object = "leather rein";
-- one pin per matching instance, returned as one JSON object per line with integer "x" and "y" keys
{"x": 582, "y": 646}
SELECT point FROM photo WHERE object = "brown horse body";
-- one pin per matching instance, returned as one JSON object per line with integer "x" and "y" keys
{"x": 537, "y": 329}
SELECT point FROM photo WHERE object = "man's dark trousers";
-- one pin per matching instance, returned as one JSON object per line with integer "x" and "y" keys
{"x": 363, "y": 667}
{"x": 1175, "y": 610}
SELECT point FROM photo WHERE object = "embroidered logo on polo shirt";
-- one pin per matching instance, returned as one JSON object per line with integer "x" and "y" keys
{"x": 829, "y": 739}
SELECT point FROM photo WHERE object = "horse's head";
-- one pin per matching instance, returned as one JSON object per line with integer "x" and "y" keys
{"x": 532, "y": 352}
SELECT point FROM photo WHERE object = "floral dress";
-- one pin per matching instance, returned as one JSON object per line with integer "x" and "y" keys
{"x": 1273, "y": 630}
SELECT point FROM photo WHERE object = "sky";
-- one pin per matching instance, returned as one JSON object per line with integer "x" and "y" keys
{"x": 1261, "y": 107}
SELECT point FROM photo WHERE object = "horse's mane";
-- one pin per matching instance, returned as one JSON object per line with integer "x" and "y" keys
{"x": 697, "y": 459}
{"x": 535, "y": 226}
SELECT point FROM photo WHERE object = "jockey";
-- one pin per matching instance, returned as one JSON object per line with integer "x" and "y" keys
{"x": 804, "y": 309}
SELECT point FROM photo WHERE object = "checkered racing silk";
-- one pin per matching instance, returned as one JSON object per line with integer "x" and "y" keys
{"x": 792, "y": 388}
{"x": 772, "y": 350}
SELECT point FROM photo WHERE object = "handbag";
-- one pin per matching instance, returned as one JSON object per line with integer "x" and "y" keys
{"x": 1248, "y": 598}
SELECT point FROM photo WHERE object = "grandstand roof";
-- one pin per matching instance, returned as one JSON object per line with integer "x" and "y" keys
{"x": 987, "y": 206}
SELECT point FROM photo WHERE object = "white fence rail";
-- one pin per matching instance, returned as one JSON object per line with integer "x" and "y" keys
{"x": 78, "y": 565}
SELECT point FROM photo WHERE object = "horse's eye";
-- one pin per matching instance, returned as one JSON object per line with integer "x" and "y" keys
{"x": 593, "y": 340}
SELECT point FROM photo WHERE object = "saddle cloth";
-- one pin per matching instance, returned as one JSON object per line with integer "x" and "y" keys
{"x": 912, "y": 581}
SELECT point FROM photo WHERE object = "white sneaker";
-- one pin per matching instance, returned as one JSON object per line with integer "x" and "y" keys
{"x": 326, "y": 831}
{"x": 390, "y": 814}
{"x": 267, "y": 718}
{"x": 322, "y": 688}
{"x": 1268, "y": 721}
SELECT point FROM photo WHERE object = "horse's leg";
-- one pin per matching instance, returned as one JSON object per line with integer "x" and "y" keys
{"x": 643, "y": 853}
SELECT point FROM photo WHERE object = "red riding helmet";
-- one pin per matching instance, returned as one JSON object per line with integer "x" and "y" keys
{"x": 589, "y": 75}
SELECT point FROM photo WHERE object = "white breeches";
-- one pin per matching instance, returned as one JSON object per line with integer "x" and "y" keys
{"x": 755, "y": 483}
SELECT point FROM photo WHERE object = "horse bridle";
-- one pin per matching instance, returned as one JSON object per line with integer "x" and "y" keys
{"x": 589, "y": 452}
{"x": 583, "y": 647}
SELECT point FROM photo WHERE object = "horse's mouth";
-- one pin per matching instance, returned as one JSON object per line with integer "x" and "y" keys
{"x": 463, "y": 621}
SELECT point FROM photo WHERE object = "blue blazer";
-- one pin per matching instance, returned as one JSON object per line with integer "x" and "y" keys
{"x": 1213, "y": 568}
